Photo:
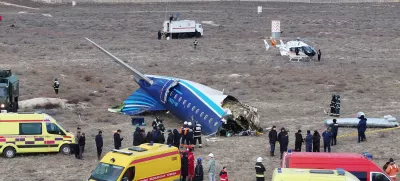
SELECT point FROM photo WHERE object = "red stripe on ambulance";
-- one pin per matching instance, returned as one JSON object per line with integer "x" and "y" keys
{"x": 162, "y": 176}
{"x": 154, "y": 157}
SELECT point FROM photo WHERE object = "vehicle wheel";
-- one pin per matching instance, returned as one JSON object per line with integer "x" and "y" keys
{"x": 65, "y": 149}
{"x": 9, "y": 152}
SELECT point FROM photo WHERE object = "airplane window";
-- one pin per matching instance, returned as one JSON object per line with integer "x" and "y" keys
{"x": 184, "y": 102}
{"x": 194, "y": 107}
{"x": 188, "y": 106}
{"x": 201, "y": 115}
{"x": 180, "y": 99}
{"x": 216, "y": 123}
{"x": 176, "y": 96}
{"x": 197, "y": 111}
{"x": 205, "y": 117}
{"x": 211, "y": 119}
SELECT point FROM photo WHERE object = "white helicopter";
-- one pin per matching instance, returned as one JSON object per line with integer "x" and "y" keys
{"x": 293, "y": 48}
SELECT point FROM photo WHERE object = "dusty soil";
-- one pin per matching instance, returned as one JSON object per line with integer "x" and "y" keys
{"x": 360, "y": 49}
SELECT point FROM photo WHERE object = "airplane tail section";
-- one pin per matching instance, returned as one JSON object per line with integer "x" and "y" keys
{"x": 138, "y": 102}
{"x": 138, "y": 76}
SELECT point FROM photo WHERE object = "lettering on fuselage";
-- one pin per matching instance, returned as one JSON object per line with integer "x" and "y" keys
{"x": 173, "y": 102}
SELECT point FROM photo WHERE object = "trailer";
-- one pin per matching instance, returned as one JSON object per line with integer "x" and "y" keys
{"x": 182, "y": 29}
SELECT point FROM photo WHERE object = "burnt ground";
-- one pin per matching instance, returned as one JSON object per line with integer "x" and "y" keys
{"x": 359, "y": 42}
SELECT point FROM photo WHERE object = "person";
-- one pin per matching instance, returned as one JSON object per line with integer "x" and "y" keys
{"x": 81, "y": 144}
{"x": 148, "y": 137}
{"x": 327, "y": 135}
{"x": 159, "y": 34}
{"x": 189, "y": 135}
{"x": 197, "y": 134}
{"x": 138, "y": 138}
{"x": 170, "y": 138}
{"x": 183, "y": 132}
{"x": 319, "y": 54}
{"x": 260, "y": 169}
{"x": 155, "y": 135}
{"x": 56, "y": 86}
{"x": 161, "y": 126}
{"x": 76, "y": 145}
{"x": 184, "y": 166}
{"x": 335, "y": 128}
{"x": 283, "y": 139}
{"x": 211, "y": 167}
{"x": 316, "y": 141}
{"x": 273, "y": 138}
{"x": 199, "y": 173}
{"x": 117, "y": 140}
{"x": 361, "y": 127}
{"x": 309, "y": 141}
{"x": 177, "y": 138}
{"x": 195, "y": 44}
{"x": 190, "y": 163}
{"x": 171, "y": 17}
{"x": 296, "y": 50}
{"x": 298, "y": 141}
{"x": 223, "y": 175}
{"x": 392, "y": 169}
{"x": 99, "y": 144}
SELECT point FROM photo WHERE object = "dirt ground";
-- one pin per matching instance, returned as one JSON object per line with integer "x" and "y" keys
{"x": 360, "y": 53}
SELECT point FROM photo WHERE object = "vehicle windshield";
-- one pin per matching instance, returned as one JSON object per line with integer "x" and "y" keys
{"x": 106, "y": 172}
{"x": 2, "y": 92}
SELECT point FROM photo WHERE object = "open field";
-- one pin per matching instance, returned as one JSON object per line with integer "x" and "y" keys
{"x": 360, "y": 61}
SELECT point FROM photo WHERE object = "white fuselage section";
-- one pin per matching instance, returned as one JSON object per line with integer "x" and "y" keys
{"x": 182, "y": 26}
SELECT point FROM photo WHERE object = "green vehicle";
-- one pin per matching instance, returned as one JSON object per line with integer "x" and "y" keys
{"x": 9, "y": 91}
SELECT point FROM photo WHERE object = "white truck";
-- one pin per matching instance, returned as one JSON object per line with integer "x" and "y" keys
{"x": 182, "y": 29}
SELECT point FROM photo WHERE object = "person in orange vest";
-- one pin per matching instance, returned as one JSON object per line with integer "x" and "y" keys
{"x": 392, "y": 169}
{"x": 183, "y": 132}
{"x": 223, "y": 175}
{"x": 191, "y": 163}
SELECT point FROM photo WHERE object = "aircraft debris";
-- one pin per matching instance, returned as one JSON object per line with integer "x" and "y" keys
{"x": 387, "y": 121}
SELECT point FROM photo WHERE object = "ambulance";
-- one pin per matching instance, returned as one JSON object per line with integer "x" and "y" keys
{"x": 32, "y": 133}
{"x": 146, "y": 162}
{"x": 298, "y": 174}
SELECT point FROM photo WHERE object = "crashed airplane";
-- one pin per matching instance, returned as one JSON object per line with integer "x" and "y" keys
{"x": 187, "y": 100}
{"x": 385, "y": 122}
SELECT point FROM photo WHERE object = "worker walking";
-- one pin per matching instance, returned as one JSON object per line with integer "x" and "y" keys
{"x": 283, "y": 139}
{"x": 211, "y": 167}
{"x": 117, "y": 140}
{"x": 335, "y": 128}
{"x": 260, "y": 169}
{"x": 99, "y": 144}
{"x": 197, "y": 134}
{"x": 223, "y": 175}
{"x": 361, "y": 127}
{"x": 298, "y": 141}
{"x": 392, "y": 169}
{"x": 81, "y": 143}
{"x": 319, "y": 54}
{"x": 195, "y": 44}
{"x": 199, "y": 173}
{"x": 56, "y": 86}
{"x": 316, "y": 141}
{"x": 273, "y": 138}
{"x": 327, "y": 135}
{"x": 309, "y": 141}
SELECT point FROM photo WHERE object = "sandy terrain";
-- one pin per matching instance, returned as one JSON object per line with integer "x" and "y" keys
{"x": 360, "y": 45}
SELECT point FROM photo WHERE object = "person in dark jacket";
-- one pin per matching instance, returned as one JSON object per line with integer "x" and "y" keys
{"x": 81, "y": 143}
{"x": 260, "y": 169}
{"x": 117, "y": 140}
{"x": 177, "y": 138}
{"x": 99, "y": 144}
{"x": 198, "y": 171}
{"x": 184, "y": 167}
{"x": 327, "y": 135}
{"x": 137, "y": 137}
{"x": 335, "y": 128}
{"x": 309, "y": 141}
{"x": 273, "y": 138}
{"x": 170, "y": 138}
{"x": 316, "y": 141}
{"x": 319, "y": 54}
{"x": 148, "y": 137}
{"x": 283, "y": 139}
{"x": 298, "y": 141}
{"x": 155, "y": 135}
{"x": 361, "y": 127}
{"x": 159, "y": 34}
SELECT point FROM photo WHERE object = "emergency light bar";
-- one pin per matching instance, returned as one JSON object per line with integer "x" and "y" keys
{"x": 322, "y": 171}
{"x": 123, "y": 152}
{"x": 340, "y": 171}
{"x": 369, "y": 156}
